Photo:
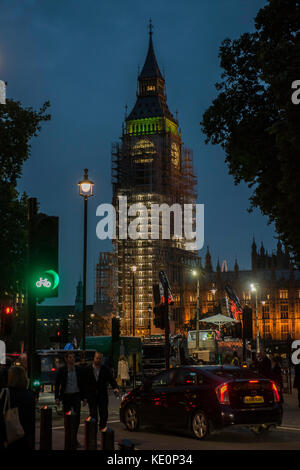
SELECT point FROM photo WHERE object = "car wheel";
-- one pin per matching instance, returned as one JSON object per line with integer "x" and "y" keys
{"x": 131, "y": 419}
{"x": 200, "y": 428}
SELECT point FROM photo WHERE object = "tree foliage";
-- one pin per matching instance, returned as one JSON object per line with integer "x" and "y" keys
{"x": 17, "y": 126}
{"x": 254, "y": 120}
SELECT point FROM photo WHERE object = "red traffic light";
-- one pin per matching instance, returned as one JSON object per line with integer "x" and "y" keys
{"x": 58, "y": 333}
{"x": 8, "y": 310}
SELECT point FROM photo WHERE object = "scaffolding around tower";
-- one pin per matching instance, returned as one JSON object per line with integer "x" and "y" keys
{"x": 151, "y": 166}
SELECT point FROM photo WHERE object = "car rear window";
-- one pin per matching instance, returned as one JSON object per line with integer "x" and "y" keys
{"x": 186, "y": 377}
{"x": 234, "y": 373}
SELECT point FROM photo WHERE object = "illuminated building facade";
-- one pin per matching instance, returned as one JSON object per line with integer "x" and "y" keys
{"x": 278, "y": 292}
{"x": 150, "y": 165}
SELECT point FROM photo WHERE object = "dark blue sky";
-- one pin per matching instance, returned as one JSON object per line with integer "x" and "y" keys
{"x": 83, "y": 56}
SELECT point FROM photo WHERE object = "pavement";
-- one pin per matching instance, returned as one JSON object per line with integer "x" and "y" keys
{"x": 287, "y": 436}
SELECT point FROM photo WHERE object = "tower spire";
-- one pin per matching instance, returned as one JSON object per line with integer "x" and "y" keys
{"x": 151, "y": 68}
{"x": 151, "y": 96}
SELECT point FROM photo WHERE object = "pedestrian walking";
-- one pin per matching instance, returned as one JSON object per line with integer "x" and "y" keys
{"x": 276, "y": 375}
{"x": 254, "y": 362}
{"x": 235, "y": 359}
{"x": 70, "y": 387}
{"x": 265, "y": 365}
{"x": 98, "y": 378}
{"x": 17, "y": 395}
{"x": 296, "y": 383}
{"x": 123, "y": 372}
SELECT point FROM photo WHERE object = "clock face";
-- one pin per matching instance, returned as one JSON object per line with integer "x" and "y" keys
{"x": 175, "y": 154}
{"x": 142, "y": 147}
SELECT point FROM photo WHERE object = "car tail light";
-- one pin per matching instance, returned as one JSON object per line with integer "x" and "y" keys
{"x": 275, "y": 392}
{"x": 222, "y": 392}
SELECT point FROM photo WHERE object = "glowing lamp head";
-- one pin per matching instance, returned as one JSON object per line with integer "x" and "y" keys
{"x": 133, "y": 269}
{"x": 194, "y": 273}
{"x": 213, "y": 290}
{"x": 253, "y": 288}
{"x": 86, "y": 186}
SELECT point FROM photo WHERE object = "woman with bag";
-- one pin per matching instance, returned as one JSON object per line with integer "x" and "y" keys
{"x": 123, "y": 372}
{"x": 17, "y": 412}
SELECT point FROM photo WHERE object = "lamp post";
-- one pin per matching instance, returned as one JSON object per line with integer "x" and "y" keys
{"x": 133, "y": 269}
{"x": 86, "y": 191}
{"x": 254, "y": 288}
{"x": 263, "y": 303}
{"x": 198, "y": 308}
{"x": 149, "y": 318}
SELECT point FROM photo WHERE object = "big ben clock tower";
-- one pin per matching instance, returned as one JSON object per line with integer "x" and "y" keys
{"x": 149, "y": 165}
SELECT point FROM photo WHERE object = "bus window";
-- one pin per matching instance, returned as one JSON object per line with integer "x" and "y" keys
{"x": 46, "y": 364}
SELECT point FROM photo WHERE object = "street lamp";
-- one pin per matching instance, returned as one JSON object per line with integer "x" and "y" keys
{"x": 85, "y": 190}
{"x": 195, "y": 273}
{"x": 133, "y": 269}
{"x": 254, "y": 288}
{"x": 149, "y": 318}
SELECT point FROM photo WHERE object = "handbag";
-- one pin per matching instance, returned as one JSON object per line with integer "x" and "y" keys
{"x": 119, "y": 381}
{"x": 13, "y": 427}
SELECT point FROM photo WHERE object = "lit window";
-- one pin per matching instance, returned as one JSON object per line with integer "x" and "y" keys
{"x": 265, "y": 312}
{"x": 284, "y": 311}
{"x": 284, "y": 331}
{"x": 284, "y": 294}
{"x": 246, "y": 296}
{"x": 150, "y": 88}
{"x": 209, "y": 297}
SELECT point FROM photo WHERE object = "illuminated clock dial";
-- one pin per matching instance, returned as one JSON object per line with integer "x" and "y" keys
{"x": 175, "y": 154}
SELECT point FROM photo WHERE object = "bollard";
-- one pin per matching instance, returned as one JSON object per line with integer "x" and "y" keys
{"x": 90, "y": 434}
{"x": 108, "y": 439}
{"x": 46, "y": 428}
{"x": 70, "y": 431}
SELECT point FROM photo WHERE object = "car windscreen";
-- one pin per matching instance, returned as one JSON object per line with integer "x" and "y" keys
{"x": 234, "y": 373}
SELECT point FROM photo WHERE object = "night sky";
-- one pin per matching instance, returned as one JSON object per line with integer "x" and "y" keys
{"x": 83, "y": 57}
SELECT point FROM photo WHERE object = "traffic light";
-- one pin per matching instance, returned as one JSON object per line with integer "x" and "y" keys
{"x": 6, "y": 320}
{"x": 115, "y": 328}
{"x": 58, "y": 336}
{"x": 159, "y": 316}
{"x": 44, "y": 256}
{"x": 36, "y": 374}
{"x": 64, "y": 329}
{"x": 247, "y": 323}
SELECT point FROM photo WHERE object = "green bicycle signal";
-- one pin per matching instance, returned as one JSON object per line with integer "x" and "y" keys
{"x": 47, "y": 280}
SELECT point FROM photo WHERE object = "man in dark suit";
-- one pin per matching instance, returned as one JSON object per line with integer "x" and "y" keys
{"x": 70, "y": 386}
{"x": 97, "y": 380}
